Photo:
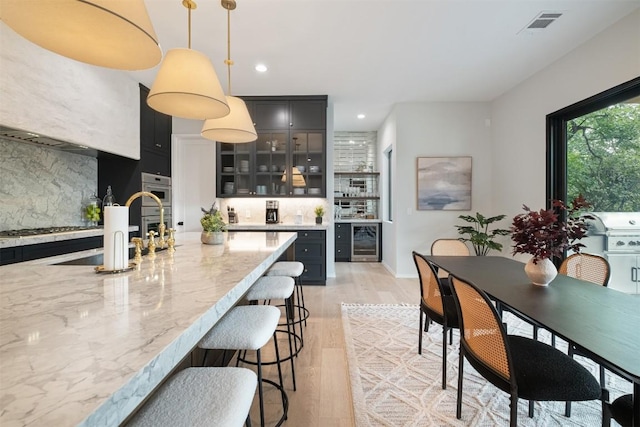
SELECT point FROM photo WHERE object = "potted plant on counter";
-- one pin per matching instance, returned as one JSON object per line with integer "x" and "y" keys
{"x": 213, "y": 226}
{"x": 543, "y": 235}
{"x": 319, "y": 211}
{"x": 481, "y": 238}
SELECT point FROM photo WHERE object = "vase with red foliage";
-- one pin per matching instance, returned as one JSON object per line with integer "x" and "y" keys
{"x": 548, "y": 233}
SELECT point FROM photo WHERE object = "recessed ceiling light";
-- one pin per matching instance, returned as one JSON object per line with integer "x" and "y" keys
{"x": 361, "y": 116}
{"x": 261, "y": 68}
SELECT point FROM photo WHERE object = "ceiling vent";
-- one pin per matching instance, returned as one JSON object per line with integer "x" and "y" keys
{"x": 540, "y": 22}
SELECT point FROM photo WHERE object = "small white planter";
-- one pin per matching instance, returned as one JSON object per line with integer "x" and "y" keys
{"x": 541, "y": 273}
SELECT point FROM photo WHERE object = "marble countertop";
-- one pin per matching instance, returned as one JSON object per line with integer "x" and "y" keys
{"x": 81, "y": 348}
{"x": 276, "y": 227}
{"x": 9, "y": 242}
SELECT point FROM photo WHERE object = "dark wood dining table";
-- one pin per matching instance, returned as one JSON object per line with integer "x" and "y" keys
{"x": 603, "y": 323}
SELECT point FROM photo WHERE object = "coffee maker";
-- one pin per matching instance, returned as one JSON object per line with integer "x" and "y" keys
{"x": 273, "y": 216}
{"x": 233, "y": 216}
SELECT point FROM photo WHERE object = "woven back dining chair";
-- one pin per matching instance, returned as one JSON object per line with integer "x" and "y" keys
{"x": 448, "y": 247}
{"x": 590, "y": 268}
{"x": 523, "y": 367}
{"x": 434, "y": 305}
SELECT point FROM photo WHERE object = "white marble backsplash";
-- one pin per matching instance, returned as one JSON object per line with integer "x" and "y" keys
{"x": 43, "y": 187}
{"x": 253, "y": 210}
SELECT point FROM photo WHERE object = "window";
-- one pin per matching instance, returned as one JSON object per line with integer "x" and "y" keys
{"x": 389, "y": 176}
{"x": 584, "y": 139}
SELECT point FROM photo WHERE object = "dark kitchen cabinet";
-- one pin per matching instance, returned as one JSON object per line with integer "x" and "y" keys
{"x": 310, "y": 248}
{"x": 43, "y": 250}
{"x": 291, "y": 142}
{"x": 342, "y": 242}
{"x": 155, "y": 138}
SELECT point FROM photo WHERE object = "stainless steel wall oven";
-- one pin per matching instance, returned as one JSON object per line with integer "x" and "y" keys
{"x": 160, "y": 186}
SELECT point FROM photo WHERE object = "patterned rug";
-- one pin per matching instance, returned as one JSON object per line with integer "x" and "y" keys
{"x": 392, "y": 385}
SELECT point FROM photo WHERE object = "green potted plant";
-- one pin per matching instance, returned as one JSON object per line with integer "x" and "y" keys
{"x": 543, "y": 235}
{"x": 319, "y": 211}
{"x": 481, "y": 238}
{"x": 213, "y": 226}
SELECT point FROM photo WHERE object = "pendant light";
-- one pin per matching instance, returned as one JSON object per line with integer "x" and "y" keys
{"x": 108, "y": 33}
{"x": 187, "y": 85}
{"x": 237, "y": 127}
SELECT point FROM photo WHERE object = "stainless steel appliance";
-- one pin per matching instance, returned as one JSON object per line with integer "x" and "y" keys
{"x": 272, "y": 215}
{"x": 233, "y": 215}
{"x": 616, "y": 236}
{"x": 365, "y": 242}
{"x": 151, "y": 219}
{"x": 159, "y": 186}
{"x": 39, "y": 231}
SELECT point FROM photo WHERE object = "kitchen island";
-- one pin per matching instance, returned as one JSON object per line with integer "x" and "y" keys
{"x": 81, "y": 348}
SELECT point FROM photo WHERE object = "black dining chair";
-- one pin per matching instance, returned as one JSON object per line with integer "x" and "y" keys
{"x": 591, "y": 268}
{"x": 523, "y": 367}
{"x": 621, "y": 410}
{"x": 434, "y": 305}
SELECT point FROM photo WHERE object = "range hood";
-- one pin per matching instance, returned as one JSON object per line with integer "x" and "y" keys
{"x": 18, "y": 135}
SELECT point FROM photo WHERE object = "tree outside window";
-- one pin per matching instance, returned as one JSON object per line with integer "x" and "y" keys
{"x": 603, "y": 158}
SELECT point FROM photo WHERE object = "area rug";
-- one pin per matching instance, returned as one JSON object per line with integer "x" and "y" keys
{"x": 392, "y": 385}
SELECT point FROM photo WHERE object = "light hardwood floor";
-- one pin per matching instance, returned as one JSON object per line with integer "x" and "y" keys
{"x": 323, "y": 396}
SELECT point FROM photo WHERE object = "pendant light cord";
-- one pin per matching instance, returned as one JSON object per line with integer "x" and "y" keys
{"x": 189, "y": 26}
{"x": 228, "y": 61}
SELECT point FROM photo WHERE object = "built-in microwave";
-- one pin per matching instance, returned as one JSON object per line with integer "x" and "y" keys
{"x": 159, "y": 186}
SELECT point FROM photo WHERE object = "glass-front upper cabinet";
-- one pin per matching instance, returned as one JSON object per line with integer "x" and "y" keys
{"x": 307, "y": 164}
{"x": 288, "y": 158}
{"x": 271, "y": 163}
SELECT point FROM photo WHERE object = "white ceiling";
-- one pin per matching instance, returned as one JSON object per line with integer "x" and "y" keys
{"x": 368, "y": 55}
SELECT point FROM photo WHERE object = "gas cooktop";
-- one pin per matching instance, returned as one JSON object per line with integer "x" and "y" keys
{"x": 48, "y": 230}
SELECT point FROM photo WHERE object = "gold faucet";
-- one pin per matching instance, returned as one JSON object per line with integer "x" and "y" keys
{"x": 161, "y": 227}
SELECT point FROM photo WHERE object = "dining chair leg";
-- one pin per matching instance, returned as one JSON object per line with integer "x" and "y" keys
{"x": 444, "y": 356}
{"x": 513, "y": 406}
{"x": 531, "y": 402}
{"x": 420, "y": 333}
{"x": 460, "y": 375}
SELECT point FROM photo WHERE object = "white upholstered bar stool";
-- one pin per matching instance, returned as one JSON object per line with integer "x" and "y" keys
{"x": 198, "y": 397}
{"x": 249, "y": 327}
{"x": 293, "y": 269}
{"x": 266, "y": 289}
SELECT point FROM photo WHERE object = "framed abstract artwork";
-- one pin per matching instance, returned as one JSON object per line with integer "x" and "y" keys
{"x": 444, "y": 183}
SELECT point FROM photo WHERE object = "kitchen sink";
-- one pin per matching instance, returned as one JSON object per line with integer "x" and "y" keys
{"x": 98, "y": 259}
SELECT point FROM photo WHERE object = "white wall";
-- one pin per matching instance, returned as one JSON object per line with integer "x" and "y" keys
{"x": 519, "y": 116}
{"x": 434, "y": 130}
{"x": 387, "y": 141}
{"x": 509, "y": 156}
{"x": 61, "y": 98}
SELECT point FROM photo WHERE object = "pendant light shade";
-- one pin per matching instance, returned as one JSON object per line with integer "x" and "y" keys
{"x": 298, "y": 179}
{"x": 235, "y": 128}
{"x": 107, "y": 33}
{"x": 187, "y": 86}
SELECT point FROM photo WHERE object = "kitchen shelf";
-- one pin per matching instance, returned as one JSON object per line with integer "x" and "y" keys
{"x": 358, "y": 198}
{"x": 357, "y": 173}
